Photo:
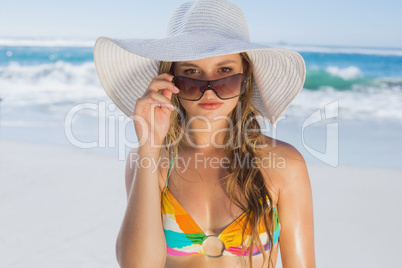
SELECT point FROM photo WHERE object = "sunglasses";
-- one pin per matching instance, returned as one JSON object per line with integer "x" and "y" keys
{"x": 225, "y": 88}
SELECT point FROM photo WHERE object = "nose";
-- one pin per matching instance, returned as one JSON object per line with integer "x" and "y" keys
{"x": 209, "y": 93}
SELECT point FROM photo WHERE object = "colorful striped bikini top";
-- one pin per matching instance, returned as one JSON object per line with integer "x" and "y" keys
{"x": 184, "y": 236}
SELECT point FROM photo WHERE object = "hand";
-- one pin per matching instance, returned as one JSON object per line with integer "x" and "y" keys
{"x": 150, "y": 119}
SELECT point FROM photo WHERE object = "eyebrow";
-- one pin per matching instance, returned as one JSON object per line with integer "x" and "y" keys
{"x": 185, "y": 64}
{"x": 226, "y": 62}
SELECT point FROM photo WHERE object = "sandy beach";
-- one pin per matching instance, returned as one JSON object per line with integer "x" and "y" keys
{"x": 61, "y": 206}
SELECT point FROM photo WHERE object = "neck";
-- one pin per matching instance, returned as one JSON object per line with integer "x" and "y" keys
{"x": 201, "y": 135}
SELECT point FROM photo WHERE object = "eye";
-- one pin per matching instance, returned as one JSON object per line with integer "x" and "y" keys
{"x": 190, "y": 71}
{"x": 226, "y": 69}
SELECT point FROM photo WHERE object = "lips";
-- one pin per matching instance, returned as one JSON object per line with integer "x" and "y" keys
{"x": 210, "y": 105}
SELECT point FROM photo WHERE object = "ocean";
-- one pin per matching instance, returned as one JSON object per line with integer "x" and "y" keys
{"x": 62, "y": 206}
{"x": 43, "y": 80}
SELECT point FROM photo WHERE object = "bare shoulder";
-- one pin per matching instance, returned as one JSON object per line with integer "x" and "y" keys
{"x": 294, "y": 203}
{"x": 284, "y": 164}
{"x": 280, "y": 149}
{"x": 132, "y": 162}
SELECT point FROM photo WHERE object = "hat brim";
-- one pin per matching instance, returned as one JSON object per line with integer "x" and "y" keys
{"x": 126, "y": 67}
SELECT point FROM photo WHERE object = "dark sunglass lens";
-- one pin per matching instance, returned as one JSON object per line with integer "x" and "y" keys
{"x": 229, "y": 87}
{"x": 189, "y": 88}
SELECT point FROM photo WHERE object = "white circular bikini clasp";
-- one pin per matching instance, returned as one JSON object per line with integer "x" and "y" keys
{"x": 213, "y": 246}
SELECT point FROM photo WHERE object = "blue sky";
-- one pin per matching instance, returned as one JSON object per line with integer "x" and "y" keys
{"x": 345, "y": 23}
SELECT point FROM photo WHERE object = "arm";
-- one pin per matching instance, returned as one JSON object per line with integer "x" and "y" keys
{"x": 141, "y": 241}
{"x": 295, "y": 209}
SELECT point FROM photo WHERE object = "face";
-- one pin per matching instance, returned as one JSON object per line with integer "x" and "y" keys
{"x": 212, "y": 68}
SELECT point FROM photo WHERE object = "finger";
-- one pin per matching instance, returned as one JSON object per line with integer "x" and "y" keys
{"x": 165, "y": 92}
{"x": 167, "y": 106}
{"x": 166, "y": 77}
{"x": 168, "y": 93}
{"x": 163, "y": 105}
{"x": 162, "y": 81}
{"x": 159, "y": 97}
{"x": 157, "y": 85}
{"x": 157, "y": 103}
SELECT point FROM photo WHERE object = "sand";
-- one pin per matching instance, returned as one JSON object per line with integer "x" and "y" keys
{"x": 61, "y": 206}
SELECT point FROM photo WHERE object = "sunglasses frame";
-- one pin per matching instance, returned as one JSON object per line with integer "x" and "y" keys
{"x": 243, "y": 88}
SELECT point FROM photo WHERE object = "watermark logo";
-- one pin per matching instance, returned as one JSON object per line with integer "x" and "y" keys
{"x": 114, "y": 128}
{"x": 331, "y": 154}
{"x": 204, "y": 161}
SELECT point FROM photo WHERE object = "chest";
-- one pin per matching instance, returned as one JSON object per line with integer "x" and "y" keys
{"x": 203, "y": 195}
{"x": 197, "y": 209}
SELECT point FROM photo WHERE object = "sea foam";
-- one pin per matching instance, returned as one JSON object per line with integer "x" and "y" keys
{"x": 348, "y": 73}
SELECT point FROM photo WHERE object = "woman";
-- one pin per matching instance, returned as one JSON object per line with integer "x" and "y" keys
{"x": 223, "y": 194}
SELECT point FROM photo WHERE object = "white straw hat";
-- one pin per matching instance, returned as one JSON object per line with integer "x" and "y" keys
{"x": 196, "y": 30}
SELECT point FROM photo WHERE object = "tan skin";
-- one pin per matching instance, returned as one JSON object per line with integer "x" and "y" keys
{"x": 141, "y": 241}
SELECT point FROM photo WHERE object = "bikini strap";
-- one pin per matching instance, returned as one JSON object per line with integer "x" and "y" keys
{"x": 168, "y": 175}
{"x": 170, "y": 166}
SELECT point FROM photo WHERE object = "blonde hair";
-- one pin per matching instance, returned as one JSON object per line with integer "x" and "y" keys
{"x": 250, "y": 180}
